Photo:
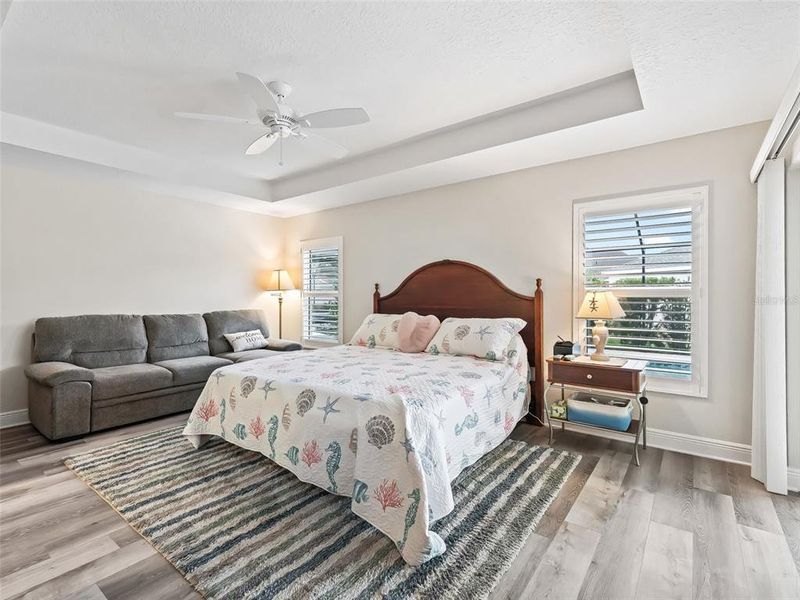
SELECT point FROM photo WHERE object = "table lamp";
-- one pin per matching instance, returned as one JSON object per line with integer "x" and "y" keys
{"x": 599, "y": 307}
{"x": 279, "y": 283}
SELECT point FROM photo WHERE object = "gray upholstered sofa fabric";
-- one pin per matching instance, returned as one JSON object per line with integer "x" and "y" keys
{"x": 283, "y": 345}
{"x": 92, "y": 372}
{"x": 91, "y": 341}
{"x": 246, "y": 355}
{"x": 232, "y": 321}
{"x": 55, "y": 373}
{"x": 175, "y": 336}
{"x": 124, "y": 380}
{"x": 61, "y": 411}
{"x": 192, "y": 369}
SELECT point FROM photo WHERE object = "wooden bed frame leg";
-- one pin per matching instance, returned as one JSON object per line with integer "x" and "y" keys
{"x": 537, "y": 397}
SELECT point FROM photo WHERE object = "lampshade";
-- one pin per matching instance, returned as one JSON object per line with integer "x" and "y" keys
{"x": 600, "y": 305}
{"x": 279, "y": 281}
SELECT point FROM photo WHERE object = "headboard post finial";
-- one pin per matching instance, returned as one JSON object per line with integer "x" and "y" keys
{"x": 376, "y": 297}
{"x": 538, "y": 351}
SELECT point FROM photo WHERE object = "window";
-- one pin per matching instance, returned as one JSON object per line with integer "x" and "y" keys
{"x": 322, "y": 290}
{"x": 650, "y": 251}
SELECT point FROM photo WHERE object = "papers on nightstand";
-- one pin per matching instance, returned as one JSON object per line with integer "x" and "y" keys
{"x": 613, "y": 362}
{"x": 639, "y": 365}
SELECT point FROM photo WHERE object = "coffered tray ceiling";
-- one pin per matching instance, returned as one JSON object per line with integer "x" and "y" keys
{"x": 454, "y": 90}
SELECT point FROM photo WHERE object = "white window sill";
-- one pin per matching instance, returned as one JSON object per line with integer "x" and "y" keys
{"x": 662, "y": 385}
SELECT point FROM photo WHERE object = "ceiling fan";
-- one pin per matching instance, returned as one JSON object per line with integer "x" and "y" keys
{"x": 282, "y": 121}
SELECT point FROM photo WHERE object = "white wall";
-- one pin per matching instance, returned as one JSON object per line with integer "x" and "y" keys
{"x": 519, "y": 226}
{"x": 793, "y": 311}
{"x": 77, "y": 243}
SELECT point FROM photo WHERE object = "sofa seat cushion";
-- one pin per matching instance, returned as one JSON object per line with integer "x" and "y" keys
{"x": 245, "y": 355}
{"x": 124, "y": 380}
{"x": 193, "y": 369}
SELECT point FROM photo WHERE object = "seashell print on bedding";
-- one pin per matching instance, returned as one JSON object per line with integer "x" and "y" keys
{"x": 446, "y": 344}
{"x": 380, "y": 431}
{"x": 293, "y": 454}
{"x": 305, "y": 401}
{"x": 247, "y": 385}
{"x": 461, "y": 332}
{"x": 286, "y": 419}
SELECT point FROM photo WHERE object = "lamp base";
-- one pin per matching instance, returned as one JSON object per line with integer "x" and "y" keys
{"x": 599, "y": 337}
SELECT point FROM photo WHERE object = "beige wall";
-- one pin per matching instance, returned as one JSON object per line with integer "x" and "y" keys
{"x": 519, "y": 226}
{"x": 75, "y": 244}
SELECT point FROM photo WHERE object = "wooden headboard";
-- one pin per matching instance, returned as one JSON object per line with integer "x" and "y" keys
{"x": 452, "y": 288}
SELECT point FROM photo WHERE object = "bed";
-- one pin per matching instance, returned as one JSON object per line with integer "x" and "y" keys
{"x": 388, "y": 429}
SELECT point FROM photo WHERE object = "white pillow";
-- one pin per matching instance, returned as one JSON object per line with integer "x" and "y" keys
{"x": 378, "y": 330}
{"x": 484, "y": 338}
{"x": 246, "y": 340}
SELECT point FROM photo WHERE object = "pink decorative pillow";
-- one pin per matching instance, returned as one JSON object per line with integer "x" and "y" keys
{"x": 416, "y": 332}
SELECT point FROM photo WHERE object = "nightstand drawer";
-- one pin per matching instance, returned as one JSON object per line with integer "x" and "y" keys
{"x": 622, "y": 380}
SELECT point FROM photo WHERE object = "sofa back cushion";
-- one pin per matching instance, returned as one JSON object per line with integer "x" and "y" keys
{"x": 232, "y": 321}
{"x": 91, "y": 341}
{"x": 175, "y": 336}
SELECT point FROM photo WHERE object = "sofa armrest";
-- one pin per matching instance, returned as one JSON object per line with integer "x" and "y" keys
{"x": 283, "y": 345}
{"x": 54, "y": 373}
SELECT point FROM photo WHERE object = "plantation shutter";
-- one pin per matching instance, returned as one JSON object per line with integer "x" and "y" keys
{"x": 322, "y": 290}
{"x": 646, "y": 258}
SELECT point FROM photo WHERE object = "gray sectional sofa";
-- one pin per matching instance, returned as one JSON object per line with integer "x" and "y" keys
{"x": 92, "y": 372}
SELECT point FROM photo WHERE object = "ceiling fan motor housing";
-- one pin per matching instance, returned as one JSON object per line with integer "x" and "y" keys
{"x": 282, "y": 125}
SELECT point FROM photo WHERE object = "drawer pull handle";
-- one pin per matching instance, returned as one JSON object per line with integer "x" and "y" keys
{"x": 588, "y": 376}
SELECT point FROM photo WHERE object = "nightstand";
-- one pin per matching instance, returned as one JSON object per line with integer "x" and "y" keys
{"x": 625, "y": 378}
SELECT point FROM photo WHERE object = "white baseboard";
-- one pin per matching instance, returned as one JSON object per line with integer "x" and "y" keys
{"x": 13, "y": 418}
{"x": 695, "y": 445}
{"x": 683, "y": 443}
{"x": 794, "y": 479}
{"x": 699, "y": 446}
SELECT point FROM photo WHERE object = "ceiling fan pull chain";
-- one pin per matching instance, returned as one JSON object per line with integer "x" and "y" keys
{"x": 280, "y": 162}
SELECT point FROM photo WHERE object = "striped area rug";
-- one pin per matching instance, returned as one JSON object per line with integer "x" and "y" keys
{"x": 238, "y": 526}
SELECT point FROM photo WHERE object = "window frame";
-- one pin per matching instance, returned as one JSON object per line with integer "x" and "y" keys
{"x": 695, "y": 197}
{"x": 316, "y": 244}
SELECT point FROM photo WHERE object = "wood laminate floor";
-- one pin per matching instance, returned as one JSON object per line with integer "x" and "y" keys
{"x": 676, "y": 527}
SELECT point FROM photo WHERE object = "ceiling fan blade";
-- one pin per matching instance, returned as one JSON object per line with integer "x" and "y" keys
{"x": 216, "y": 118}
{"x": 326, "y": 145}
{"x": 259, "y": 92}
{"x": 261, "y": 144}
{"x": 336, "y": 117}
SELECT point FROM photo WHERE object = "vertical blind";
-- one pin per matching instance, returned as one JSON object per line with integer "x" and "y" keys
{"x": 645, "y": 258}
{"x": 321, "y": 293}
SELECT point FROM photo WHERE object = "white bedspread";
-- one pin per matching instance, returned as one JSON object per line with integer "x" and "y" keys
{"x": 388, "y": 429}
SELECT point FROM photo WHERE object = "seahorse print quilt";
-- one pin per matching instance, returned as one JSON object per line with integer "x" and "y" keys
{"x": 389, "y": 430}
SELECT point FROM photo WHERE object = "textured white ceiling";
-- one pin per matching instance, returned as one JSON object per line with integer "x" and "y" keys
{"x": 118, "y": 70}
